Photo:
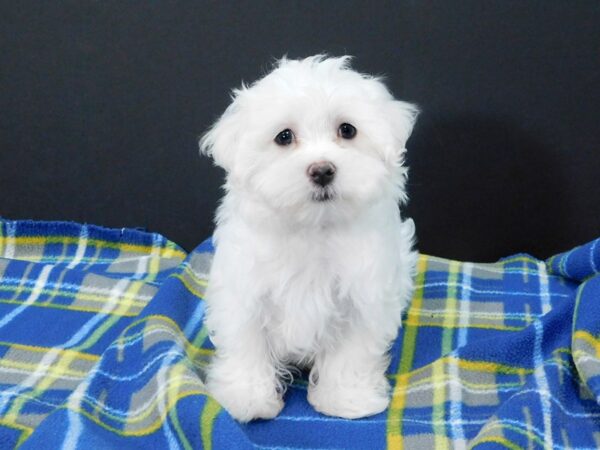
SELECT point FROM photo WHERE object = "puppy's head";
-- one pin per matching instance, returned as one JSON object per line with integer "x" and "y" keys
{"x": 313, "y": 140}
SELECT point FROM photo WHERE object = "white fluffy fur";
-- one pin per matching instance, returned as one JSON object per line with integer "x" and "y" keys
{"x": 300, "y": 282}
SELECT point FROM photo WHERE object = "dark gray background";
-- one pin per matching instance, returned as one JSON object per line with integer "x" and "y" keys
{"x": 102, "y": 103}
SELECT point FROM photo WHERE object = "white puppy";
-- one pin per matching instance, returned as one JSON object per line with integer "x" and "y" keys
{"x": 313, "y": 264}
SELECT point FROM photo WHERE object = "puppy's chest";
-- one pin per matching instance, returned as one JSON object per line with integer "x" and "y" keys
{"x": 303, "y": 305}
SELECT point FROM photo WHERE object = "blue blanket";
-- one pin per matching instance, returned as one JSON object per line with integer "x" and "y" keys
{"x": 102, "y": 346}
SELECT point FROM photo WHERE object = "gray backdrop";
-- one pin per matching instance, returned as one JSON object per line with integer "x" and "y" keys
{"x": 102, "y": 103}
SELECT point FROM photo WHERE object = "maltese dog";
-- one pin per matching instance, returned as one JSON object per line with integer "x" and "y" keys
{"x": 313, "y": 263}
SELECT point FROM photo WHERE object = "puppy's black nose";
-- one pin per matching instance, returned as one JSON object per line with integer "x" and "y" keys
{"x": 321, "y": 173}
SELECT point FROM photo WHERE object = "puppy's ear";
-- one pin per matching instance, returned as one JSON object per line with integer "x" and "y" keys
{"x": 221, "y": 141}
{"x": 402, "y": 117}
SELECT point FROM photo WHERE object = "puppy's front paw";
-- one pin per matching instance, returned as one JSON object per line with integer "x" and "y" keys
{"x": 350, "y": 400}
{"x": 246, "y": 400}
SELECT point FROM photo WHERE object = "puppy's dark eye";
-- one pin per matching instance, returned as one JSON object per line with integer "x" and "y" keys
{"x": 285, "y": 137}
{"x": 346, "y": 131}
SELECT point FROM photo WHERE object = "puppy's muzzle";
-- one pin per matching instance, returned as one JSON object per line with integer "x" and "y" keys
{"x": 321, "y": 173}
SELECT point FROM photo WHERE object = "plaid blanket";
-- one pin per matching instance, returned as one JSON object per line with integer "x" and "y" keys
{"x": 102, "y": 346}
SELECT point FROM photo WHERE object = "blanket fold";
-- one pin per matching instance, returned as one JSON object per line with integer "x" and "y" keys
{"x": 102, "y": 345}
